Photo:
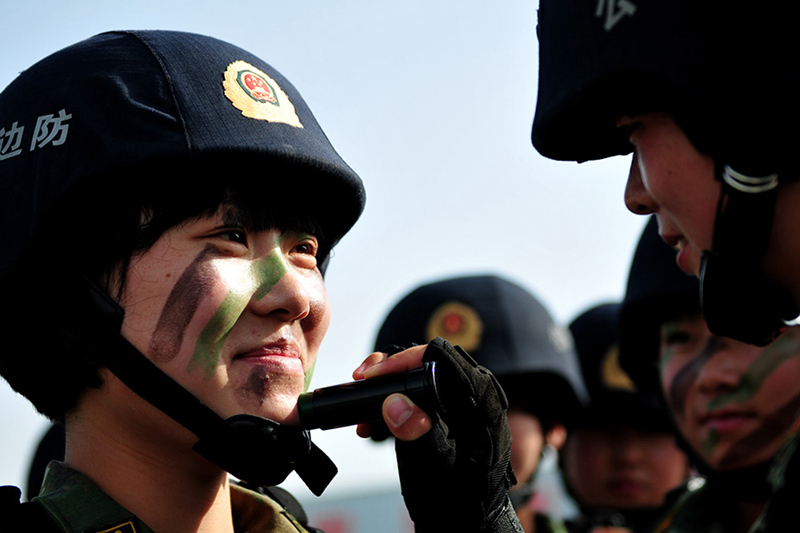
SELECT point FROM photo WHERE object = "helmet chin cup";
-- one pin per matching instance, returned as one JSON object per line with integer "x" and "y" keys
{"x": 263, "y": 452}
{"x": 736, "y": 298}
{"x": 738, "y": 302}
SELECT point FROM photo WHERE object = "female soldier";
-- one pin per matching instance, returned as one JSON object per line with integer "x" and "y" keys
{"x": 734, "y": 404}
{"x": 169, "y": 207}
{"x": 620, "y": 459}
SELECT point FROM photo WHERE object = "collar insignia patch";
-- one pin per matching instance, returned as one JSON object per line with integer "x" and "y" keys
{"x": 257, "y": 95}
{"x": 127, "y": 527}
{"x": 458, "y": 323}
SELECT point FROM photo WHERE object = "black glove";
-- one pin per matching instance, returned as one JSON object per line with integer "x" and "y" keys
{"x": 456, "y": 477}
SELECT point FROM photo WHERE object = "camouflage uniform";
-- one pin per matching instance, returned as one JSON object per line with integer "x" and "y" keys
{"x": 76, "y": 505}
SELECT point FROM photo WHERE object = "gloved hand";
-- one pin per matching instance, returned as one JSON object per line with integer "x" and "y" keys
{"x": 456, "y": 477}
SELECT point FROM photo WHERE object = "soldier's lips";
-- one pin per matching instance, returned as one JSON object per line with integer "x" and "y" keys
{"x": 627, "y": 487}
{"x": 685, "y": 257}
{"x": 727, "y": 420}
{"x": 278, "y": 359}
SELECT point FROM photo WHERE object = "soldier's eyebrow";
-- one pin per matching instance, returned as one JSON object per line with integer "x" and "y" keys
{"x": 232, "y": 215}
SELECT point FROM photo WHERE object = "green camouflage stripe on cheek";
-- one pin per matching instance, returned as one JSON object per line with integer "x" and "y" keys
{"x": 268, "y": 272}
{"x": 774, "y": 426}
{"x": 710, "y": 442}
{"x": 685, "y": 378}
{"x": 265, "y": 274}
{"x": 209, "y": 344}
{"x": 773, "y": 356}
{"x": 308, "y": 375}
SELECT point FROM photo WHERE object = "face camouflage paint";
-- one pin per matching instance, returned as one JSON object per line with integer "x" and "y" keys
{"x": 263, "y": 275}
{"x": 774, "y": 425}
{"x": 710, "y": 442}
{"x": 256, "y": 386}
{"x": 733, "y": 402}
{"x": 191, "y": 289}
{"x": 669, "y": 330}
{"x": 308, "y": 375}
{"x": 773, "y": 356}
{"x": 685, "y": 378}
{"x": 236, "y": 316}
{"x": 772, "y": 428}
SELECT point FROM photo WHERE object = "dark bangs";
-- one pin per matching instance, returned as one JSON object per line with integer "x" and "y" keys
{"x": 263, "y": 197}
{"x": 252, "y": 210}
{"x": 120, "y": 215}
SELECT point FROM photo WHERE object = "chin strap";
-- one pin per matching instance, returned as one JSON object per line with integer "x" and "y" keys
{"x": 737, "y": 299}
{"x": 254, "y": 449}
{"x": 750, "y": 484}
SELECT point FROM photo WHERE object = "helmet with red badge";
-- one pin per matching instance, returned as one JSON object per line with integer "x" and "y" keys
{"x": 504, "y": 328}
{"x": 103, "y": 146}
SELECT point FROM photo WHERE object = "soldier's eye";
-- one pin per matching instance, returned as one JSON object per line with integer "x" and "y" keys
{"x": 236, "y": 235}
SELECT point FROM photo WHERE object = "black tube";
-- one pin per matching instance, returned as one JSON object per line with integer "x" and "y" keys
{"x": 361, "y": 401}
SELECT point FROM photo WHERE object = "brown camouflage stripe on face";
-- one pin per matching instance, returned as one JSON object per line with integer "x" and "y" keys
{"x": 686, "y": 376}
{"x": 191, "y": 289}
{"x": 773, "y": 427}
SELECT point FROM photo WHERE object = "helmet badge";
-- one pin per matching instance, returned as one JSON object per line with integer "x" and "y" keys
{"x": 458, "y": 323}
{"x": 611, "y": 374}
{"x": 258, "y": 96}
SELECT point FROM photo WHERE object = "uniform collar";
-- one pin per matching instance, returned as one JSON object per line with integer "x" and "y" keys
{"x": 78, "y": 505}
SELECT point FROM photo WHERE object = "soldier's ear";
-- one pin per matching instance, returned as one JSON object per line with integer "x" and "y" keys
{"x": 556, "y": 436}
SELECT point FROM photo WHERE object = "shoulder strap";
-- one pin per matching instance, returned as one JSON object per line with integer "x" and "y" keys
{"x": 285, "y": 499}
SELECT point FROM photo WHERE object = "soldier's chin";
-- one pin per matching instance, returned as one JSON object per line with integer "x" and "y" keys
{"x": 291, "y": 419}
{"x": 281, "y": 412}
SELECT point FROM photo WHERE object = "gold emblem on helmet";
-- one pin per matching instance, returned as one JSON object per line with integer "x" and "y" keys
{"x": 257, "y": 95}
{"x": 458, "y": 323}
{"x": 612, "y": 375}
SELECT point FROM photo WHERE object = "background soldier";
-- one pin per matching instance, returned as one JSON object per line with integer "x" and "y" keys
{"x": 734, "y": 403}
{"x": 166, "y": 229}
{"x": 620, "y": 459}
{"x": 510, "y": 332}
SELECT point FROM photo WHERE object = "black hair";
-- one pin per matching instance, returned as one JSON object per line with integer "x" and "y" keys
{"x": 96, "y": 228}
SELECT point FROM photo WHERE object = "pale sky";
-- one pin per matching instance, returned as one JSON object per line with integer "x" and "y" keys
{"x": 432, "y": 104}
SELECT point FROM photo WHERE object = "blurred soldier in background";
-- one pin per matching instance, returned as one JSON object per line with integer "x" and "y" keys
{"x": 620, "y": 460}
{"x": 506, "y": 329}
{"x": 734, "y": 404}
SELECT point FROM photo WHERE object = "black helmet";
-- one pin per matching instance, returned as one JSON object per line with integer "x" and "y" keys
{"x": 657, "y": 290}
{"x": 123, "y": 100}
{"x": 92, "y": 124}
{"x": 615, "y": 399}
{"x": 505, "y": 329}
{"x": 724, "y": 71}
{"x": 722, "y": 68}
